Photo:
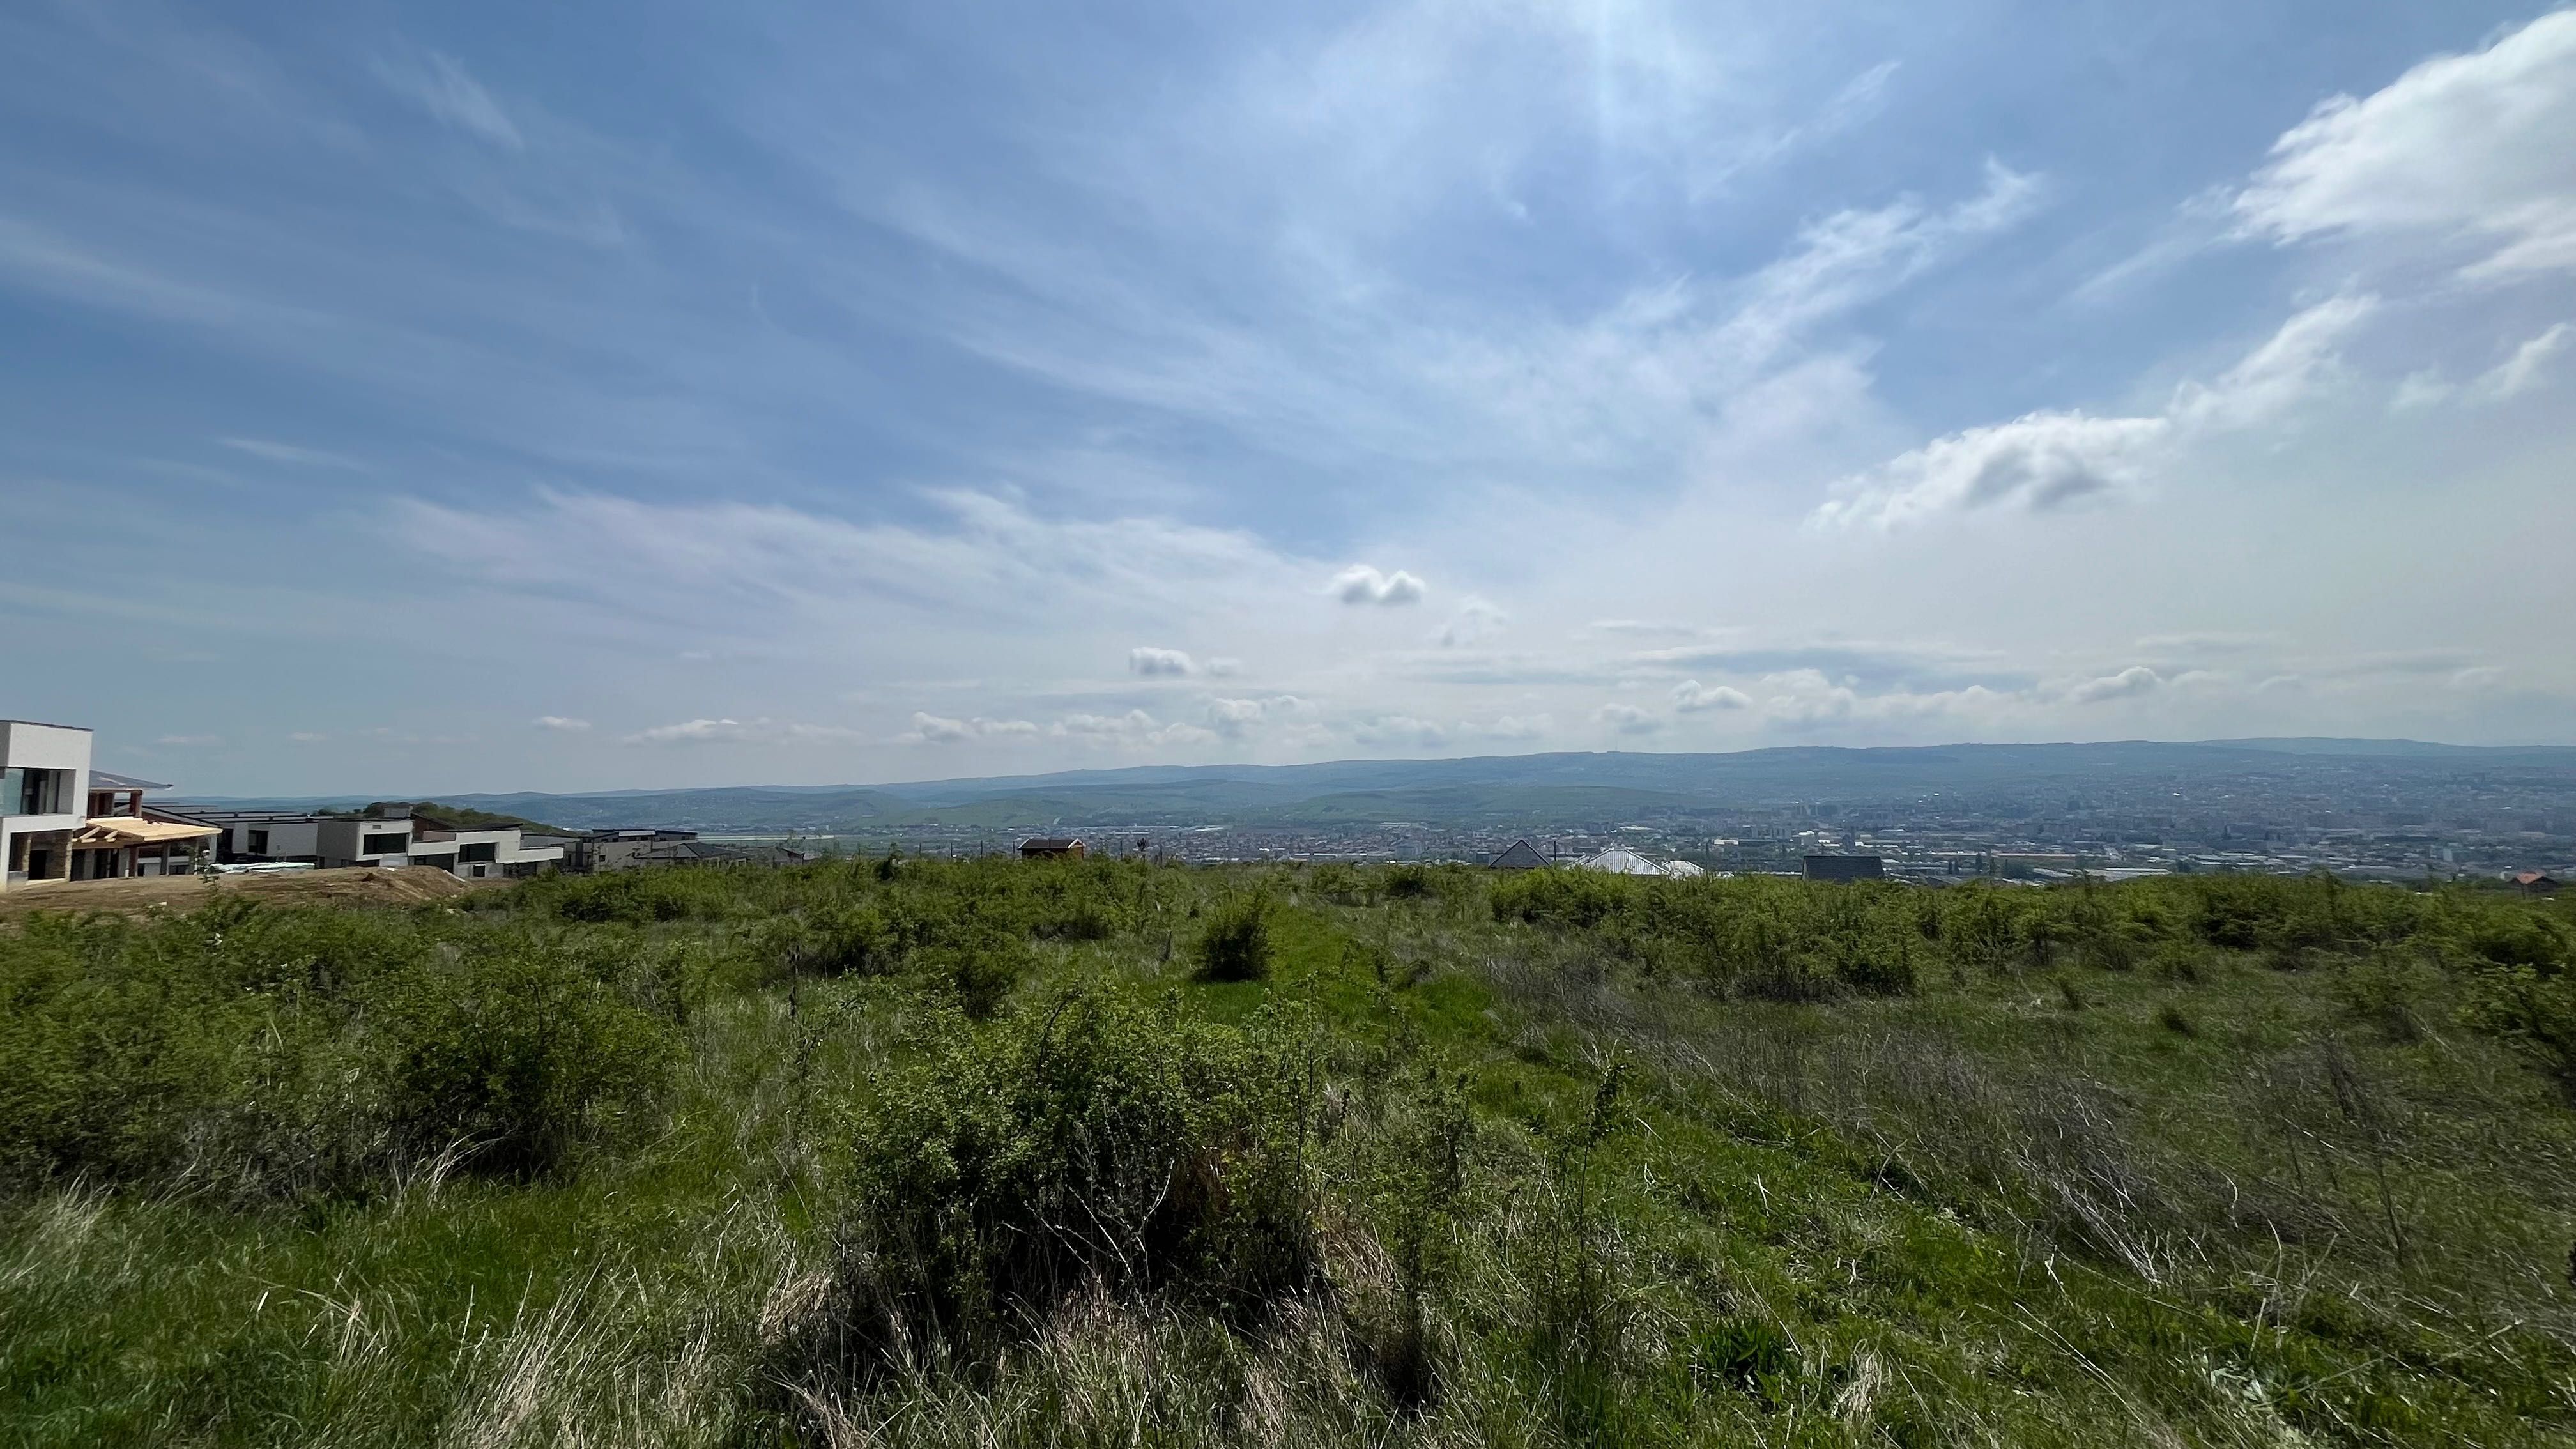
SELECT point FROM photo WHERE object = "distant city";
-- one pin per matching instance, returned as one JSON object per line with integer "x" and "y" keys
{"x": 2363, "y": 809}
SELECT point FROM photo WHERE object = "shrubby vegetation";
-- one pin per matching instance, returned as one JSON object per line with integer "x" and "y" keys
{"x": 1081, "y": 1152}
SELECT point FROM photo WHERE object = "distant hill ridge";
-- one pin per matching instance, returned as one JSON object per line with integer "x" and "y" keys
{"x": 1536, "y": 788}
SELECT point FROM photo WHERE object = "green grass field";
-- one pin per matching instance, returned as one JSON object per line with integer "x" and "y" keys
{"x": 1095, "y": 1153}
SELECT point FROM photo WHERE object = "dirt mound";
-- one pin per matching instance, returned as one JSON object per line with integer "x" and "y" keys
{"x": 358, "y": 886}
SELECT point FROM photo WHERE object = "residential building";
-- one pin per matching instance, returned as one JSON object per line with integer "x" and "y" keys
{"x": 715, "y": 852}
{"x": 123, "y": 837}
{"x": 401, "y": 837}
{"x": 613, "y": 850}
{"x": 477, "y": 854}
{"x": 44, "y": 778}
{"x": 1052, "y": 847}
{"x": 1519, "y": 855}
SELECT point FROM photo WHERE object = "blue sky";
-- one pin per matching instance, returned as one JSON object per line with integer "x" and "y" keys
{"x": 449, "y": 397}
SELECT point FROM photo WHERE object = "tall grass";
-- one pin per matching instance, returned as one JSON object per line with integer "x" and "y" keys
{"x": 931, "y": 1152}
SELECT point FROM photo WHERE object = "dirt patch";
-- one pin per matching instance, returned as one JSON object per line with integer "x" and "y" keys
{"x": 357, "y": 886}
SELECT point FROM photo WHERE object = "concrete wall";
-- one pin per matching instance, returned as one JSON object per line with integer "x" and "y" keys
{"x": 28, "y": 746}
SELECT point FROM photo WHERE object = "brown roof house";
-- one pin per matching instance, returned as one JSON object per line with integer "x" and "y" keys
{"x": 1052, "y": 847}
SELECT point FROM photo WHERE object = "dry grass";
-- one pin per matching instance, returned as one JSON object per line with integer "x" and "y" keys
{"x": 356, "y": 886}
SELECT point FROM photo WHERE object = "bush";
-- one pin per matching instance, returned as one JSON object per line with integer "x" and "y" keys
{"x": 1410, "y": 882}
{"x": 514, "y": 1054}
{"x": 1096, "y": 1142}
{"x": 1235, "y": 946}
{"x": 2536, "y": 1013}
{"x": 279, "y": 1052}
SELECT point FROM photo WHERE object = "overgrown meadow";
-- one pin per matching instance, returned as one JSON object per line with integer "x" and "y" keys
{"x": 993, "y": 1152}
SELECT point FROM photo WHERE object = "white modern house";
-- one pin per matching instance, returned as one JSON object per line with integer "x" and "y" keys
{"x": 44, "y": 782}
{"x": 270, "y": 837}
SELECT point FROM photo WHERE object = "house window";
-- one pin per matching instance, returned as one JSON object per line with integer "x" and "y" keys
{"x": 259, "y": 842}
{"x": 383, "y": 844}
{"x": 481, "y": 850}
{"x": 33, "y": 792}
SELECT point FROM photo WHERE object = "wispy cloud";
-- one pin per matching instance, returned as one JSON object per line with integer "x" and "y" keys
{"x": 440, "y": 87}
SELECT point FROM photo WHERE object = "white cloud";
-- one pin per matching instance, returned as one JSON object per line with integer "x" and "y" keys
{"x": 1236, "y": 718}
{"x": 1160, "y": 663}
{"x": 2135, "y": 680}
{"x": 1400, "y": 731}
{"x": 1133, "y": 729}
{"x": 307, "y": 737}
{"x": 441, "y": 87}
{"x": 189, "y": 741}
{"x": 2272, "y": 379}
{"x": 934, "y": 729}
{"x": 1627, "y": 719}
{"x": 2526, "y": 368}
{"x": 290, "y": 453}
{"x": 560, "y": 723}
{"x": 2046, "y": 460}
{"x": 2462, "y": 149}
{"x": 1361, "y": 584}
{"x": 2035, "y": 462}
{"x": 732, "y": 731}
{"x": 1690, "y": 697}
{"x": 1510, "y": 727}
{"x": 1474, "y": 621}
{"x": 993, "y": 560}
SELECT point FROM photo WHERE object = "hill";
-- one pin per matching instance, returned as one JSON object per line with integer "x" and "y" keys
{"x": 1539, "y": 789}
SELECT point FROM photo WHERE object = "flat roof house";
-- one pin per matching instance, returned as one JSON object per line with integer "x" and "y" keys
{"x": 44, "y": 779}
{"x": 266, "y": 837}
{"x": 477, "y": 854}
{"x": 623, "y": 849}
{"x": 62, "y": 820}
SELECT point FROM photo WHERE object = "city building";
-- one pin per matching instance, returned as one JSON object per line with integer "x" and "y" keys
{"x": 1846, "y": 867}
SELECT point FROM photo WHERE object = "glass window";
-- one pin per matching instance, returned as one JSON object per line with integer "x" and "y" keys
{"x": 259, "y": 842}
{"x": 483, "y": 850}
{"x": 383, "y": 844}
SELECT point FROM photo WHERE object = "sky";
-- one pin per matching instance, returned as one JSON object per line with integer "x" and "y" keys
{"x": 412, "y": 398}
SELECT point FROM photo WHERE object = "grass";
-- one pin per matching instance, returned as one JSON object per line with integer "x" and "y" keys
{"x": 1462, "y": 1163}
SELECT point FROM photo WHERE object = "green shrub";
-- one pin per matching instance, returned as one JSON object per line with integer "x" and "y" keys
{"x": 1235, "y": 944}
{"x": 1094, "y": 1142}
{"x": 979, "y": 970}
{"x": 1410, "y": 881}
{"x": 278, "y": 1052}
{"x": 514, "y": 1055}
{"x": 2536, "y": 1013}
{"x": 842, "y": 940}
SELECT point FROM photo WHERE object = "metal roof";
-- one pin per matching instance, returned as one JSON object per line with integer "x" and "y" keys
{"x": 110, "y": 780}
